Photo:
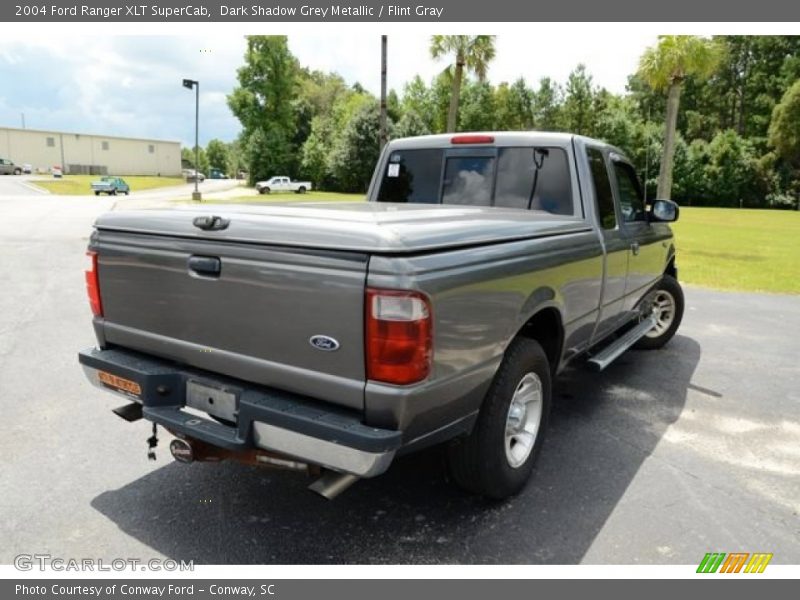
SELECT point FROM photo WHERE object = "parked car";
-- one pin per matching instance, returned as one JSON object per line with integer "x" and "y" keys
{"x": 338, "y": 336}
{"x": 7, "y": 167}
{"x": 190, "y": 174}
{"x": 217, "y": 174}
{"x": 27, "y": 168}
{"x": 111, "y": 186}
{"x": 283, "y": 184}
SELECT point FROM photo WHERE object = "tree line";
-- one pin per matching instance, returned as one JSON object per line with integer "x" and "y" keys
{"x": 727, "y": 107}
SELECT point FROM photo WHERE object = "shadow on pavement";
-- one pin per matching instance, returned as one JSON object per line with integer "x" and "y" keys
{"x": 602, "y": 429}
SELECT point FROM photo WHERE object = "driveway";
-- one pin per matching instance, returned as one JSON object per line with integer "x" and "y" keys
{"x": 17, "y": 185}
{"x": 665, "y": 456}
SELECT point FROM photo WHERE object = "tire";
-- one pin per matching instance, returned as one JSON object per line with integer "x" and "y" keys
{"x": 97, "y": 193}
{"x": 17, "y": 171}
{"x": 489, "y": 462}
{"x": 112, "y": 193}
{"x": 301, "y": 189}
{"x": 666, "y": 299}
{"x": 264, "y": 190}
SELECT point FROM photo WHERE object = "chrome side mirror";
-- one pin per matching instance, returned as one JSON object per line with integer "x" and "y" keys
{"x": 664, "y": 211}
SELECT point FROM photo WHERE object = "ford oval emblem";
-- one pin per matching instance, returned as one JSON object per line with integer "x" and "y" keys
{"x": 323, "y": 342}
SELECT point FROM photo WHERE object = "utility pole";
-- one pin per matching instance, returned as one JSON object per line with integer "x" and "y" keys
{"x": 189, "y": 84}
{"x": 384, "y": 135}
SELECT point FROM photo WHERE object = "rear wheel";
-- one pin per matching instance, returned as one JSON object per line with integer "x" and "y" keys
{"x": 301, "y": 189}
{"x": 97, "y": 193}
{"x": 666, "y": 303}
{"x": 264, "y": 190}
{"x": 497, "y": 458}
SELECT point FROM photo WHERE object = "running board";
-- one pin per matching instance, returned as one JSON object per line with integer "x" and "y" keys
{"x": 610, "y": 353}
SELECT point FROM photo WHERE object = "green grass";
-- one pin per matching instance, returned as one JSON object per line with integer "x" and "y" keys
{"x": 739, "y": 249}
{"x": 291, "y": 197}
{"x": 80, "y": 185}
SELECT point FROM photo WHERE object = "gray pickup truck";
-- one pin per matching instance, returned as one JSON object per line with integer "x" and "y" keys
{"x": 336, "y": 337}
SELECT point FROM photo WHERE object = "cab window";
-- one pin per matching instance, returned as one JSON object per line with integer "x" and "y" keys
{"x": 631, "y": 199}
{"x": 602, "y": 188}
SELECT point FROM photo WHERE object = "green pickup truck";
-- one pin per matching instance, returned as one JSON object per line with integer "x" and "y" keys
{"x": 111, "y": 186}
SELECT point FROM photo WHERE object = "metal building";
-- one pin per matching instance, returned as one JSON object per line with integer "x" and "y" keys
{"x": 79, "y": 153}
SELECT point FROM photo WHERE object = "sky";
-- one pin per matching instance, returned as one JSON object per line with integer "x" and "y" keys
{"x": 131, "y": 85}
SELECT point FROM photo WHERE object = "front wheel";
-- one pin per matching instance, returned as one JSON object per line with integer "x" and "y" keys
{"x": 665, "y": 302}
{"x": 497, "y": 458}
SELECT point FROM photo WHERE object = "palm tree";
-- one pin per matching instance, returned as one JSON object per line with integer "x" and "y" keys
{"x": 665, "y": 66}
{"x": 473, "y": 53}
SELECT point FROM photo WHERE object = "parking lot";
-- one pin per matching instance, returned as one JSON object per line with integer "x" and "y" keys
{"x": 665, "y": 456}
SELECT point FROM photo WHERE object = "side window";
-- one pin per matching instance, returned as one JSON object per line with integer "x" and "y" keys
{"x": 602, "y": 188}
{"x": 631, "y": 201}
{"x": 51, "y": 142}
{"x": 516, "y": 174}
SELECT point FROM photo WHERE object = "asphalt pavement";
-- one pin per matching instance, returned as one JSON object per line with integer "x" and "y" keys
{"x": 663, "y": 457}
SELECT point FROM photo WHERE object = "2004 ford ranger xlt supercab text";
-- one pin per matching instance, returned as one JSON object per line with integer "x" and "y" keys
{"x": 335, "y": 337}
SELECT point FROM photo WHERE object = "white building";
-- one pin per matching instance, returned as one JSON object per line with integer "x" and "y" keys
{"x": 90, "y": 154}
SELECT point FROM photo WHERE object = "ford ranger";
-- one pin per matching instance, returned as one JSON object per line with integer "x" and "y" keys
{"x": 336, "y": 337}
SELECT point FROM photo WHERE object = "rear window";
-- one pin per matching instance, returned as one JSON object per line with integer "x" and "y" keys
{"x": 412, "y": 176}
{"x": 524, "y": 178}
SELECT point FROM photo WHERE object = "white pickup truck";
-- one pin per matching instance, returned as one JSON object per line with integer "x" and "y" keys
{"x": 282, "y": 184}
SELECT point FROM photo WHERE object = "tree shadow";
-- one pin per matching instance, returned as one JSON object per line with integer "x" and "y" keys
{"x": 603, "y": 427}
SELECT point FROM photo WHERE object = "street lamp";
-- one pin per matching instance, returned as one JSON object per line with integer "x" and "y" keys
{"x": 189, "y": 84}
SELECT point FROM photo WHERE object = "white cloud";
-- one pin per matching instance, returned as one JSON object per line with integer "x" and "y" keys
{"x": 131, "y": 85}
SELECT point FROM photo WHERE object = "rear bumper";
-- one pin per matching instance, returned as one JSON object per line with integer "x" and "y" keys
{"x": 289, "y": 424}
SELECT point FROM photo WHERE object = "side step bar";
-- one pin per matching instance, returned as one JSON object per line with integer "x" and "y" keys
{"x": 610, "y": 353}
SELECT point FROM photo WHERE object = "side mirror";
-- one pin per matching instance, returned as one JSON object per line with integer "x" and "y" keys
{"x": 664, "y": 211}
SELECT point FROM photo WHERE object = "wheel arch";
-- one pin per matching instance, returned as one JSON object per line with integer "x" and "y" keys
{"x": 546, "y": 326}
{"x": 671, "y": 269}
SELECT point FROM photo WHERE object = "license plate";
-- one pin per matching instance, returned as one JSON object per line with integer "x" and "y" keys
{"x": 215, "y": 401}
{"x": 120, "y": 384}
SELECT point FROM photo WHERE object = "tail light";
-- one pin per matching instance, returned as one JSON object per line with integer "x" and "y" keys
{"x": 399, "y": 336}
{"x": 93, "y": 284}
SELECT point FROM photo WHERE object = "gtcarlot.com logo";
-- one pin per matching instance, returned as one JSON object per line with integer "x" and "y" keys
{"x": 29, "y": 562}
{"x": 734, "y": 562}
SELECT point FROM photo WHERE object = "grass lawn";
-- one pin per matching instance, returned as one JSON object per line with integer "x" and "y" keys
{"x": 80, "y": 185}
{"x": 739, "y": 249}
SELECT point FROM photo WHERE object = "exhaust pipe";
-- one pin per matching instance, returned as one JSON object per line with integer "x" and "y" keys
{"x": 181, "y": 450}
{"x": 331, "y": 484}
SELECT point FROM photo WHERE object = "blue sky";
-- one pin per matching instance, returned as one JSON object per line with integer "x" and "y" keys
{"x": 131, "y": 85}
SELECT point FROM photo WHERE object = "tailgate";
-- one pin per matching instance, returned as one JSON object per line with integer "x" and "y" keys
{"x": 254, "y": 318}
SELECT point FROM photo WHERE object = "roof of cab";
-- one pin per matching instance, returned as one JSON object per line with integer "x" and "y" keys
{"x": 501, "y": 138}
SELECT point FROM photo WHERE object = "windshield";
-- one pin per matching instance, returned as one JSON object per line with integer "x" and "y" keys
{"x": 525, "y": 177}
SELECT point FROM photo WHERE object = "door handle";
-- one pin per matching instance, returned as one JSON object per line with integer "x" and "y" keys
{"x": 208, "y": 266}
{"x": 635, "y": 248}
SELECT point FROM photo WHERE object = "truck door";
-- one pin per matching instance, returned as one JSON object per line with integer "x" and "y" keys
{"x": 646, "y": 248}
{"x": 616, "y": 244}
